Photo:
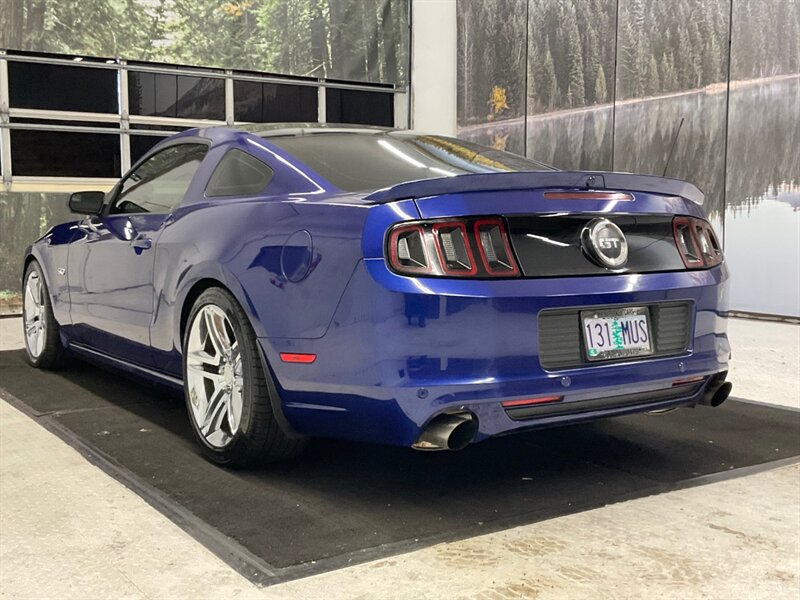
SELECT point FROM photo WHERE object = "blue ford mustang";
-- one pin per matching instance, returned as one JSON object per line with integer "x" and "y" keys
{"x": 383, "y": 286}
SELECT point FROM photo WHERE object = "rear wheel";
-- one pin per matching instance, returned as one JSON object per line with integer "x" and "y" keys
{"x": 226, "y": 388}
{"x": 41, "y": 330}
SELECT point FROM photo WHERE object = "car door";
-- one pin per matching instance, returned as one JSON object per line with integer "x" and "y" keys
{"x": 110, "y": 266}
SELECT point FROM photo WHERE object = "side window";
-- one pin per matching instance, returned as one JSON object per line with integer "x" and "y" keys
{"x": 159, "y": 184}
{"x": 238, "y": 174}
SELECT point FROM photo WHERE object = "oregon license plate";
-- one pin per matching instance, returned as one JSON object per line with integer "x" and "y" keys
{"x": 616, "y": 333}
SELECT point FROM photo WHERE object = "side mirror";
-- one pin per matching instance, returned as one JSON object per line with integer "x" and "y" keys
{"x": 87, "y": 203}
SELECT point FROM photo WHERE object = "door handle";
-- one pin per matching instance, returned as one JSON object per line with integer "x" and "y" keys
{"x": 140, "y": 244}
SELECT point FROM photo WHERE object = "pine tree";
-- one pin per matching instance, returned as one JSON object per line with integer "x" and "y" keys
{"x": 576, "y": 95}
{"x": 711, "y": 62}
{"x": 631, "y": 69}
{"x": 668, "y": 76}
{"x": 600, "y": 91}
{"x": 546, "y": 80}
{"x": 652, "y": 79}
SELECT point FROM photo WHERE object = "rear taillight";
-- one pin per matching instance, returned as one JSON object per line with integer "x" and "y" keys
{"x": 407, "y": 249}
{"x": 495, "y": 249}
{"x": 454, "y": 248}
{"x": 696, "y": 242}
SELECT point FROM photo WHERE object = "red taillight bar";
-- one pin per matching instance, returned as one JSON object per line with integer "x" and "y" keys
{"x": 293, "y": 357}
{"x": 529, "y": 401}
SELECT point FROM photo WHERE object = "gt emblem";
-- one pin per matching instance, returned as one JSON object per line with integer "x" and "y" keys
{"x": 61, "y": 270}
{"x": 604, "y": 242}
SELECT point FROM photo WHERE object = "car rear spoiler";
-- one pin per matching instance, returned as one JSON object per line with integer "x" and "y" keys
{"x": 526, "y": 180}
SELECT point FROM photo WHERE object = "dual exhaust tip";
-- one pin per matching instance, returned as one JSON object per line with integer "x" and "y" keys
{"x": 448, "y": 432}
{"x": 456, "y": 431}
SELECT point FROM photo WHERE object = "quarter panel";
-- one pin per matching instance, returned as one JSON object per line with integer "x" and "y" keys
{"x": 286, "y": 261}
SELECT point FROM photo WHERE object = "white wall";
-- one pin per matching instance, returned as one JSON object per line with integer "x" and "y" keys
{"x": 433, "y": 66}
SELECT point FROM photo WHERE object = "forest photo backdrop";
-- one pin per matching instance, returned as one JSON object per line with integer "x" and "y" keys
{"x": 703, "y": 90}
{"x": 357, "y": 40}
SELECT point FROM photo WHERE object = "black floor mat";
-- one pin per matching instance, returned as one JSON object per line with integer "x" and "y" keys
{"x": 346, "y": 502}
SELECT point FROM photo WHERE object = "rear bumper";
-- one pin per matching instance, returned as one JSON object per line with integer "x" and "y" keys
{"x": 399, "y": 351}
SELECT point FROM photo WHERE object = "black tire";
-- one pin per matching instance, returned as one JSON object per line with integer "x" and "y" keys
{"x": 260, "y": 439}
{"x": 52, "y": 354}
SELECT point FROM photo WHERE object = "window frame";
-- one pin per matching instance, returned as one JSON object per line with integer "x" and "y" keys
{"x": 114, "y": 195}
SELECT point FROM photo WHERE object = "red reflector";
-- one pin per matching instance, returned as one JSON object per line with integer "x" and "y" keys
{"x": 687, "y": 381}
{"x": 298, "y": 358}
{"x": 528, "y": 401}
{"x": 578, "y": 195}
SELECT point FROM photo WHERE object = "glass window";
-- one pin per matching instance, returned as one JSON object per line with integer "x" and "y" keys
{"x": 375, "y": 160}
{"x": 64, "y": 154}
{"x": 274, "y": 102}
{"x": 183, "y": 96}
{"x": 141, "y": 145}
{"x": 159, "y": 184}
{"x": 248, "y": 101}
{"x": 59, "y": 87}
{"x": 356, "y": 106}
{"x": 201, "y": 98}
{"x": 238, "y": 174}
{"x": 152, "y": 94}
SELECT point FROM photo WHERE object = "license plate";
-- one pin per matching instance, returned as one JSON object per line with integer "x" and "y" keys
{"x": 616, "y": 333}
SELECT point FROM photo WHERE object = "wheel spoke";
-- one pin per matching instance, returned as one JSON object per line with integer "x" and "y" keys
{"x": 29, "y": 292}
{"x": 215, "y": 411}
{"x": 215, "y": 327}
{"x": 38, "y": 295}
{"x": 200, "y": 358}
{"x": 235, "y": 409}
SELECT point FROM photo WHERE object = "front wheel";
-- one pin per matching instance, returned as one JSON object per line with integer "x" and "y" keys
{"x": 226, "y": 388}
{"x": 41, "y": 331}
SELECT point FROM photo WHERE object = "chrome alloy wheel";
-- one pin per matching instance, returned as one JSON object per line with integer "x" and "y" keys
{"x": 33, "y": 315}
{"x": 214, "y": 376}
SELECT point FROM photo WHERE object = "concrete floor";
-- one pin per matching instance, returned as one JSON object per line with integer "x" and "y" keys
{"x": 68, "y": 530}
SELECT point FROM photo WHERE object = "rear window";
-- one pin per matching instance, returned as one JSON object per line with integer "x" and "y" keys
{"x": 372, "y": 161}
{"x": 238, "y": 174}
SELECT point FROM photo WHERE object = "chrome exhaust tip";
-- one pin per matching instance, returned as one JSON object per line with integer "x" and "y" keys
{"x": 717, "y": 394}
{"x": 721, "y": 394}
{"x": 448, "y": 432}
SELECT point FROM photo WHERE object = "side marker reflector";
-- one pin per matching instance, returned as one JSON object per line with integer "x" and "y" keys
{"x": 687, "y": 381}
{"x": 529, "y": 401}
{"x": 291, "y": 357}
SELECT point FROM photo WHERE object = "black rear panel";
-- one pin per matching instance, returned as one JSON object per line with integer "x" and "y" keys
{"x": 561, "y": 343}
{"x": 550, "y": 245}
